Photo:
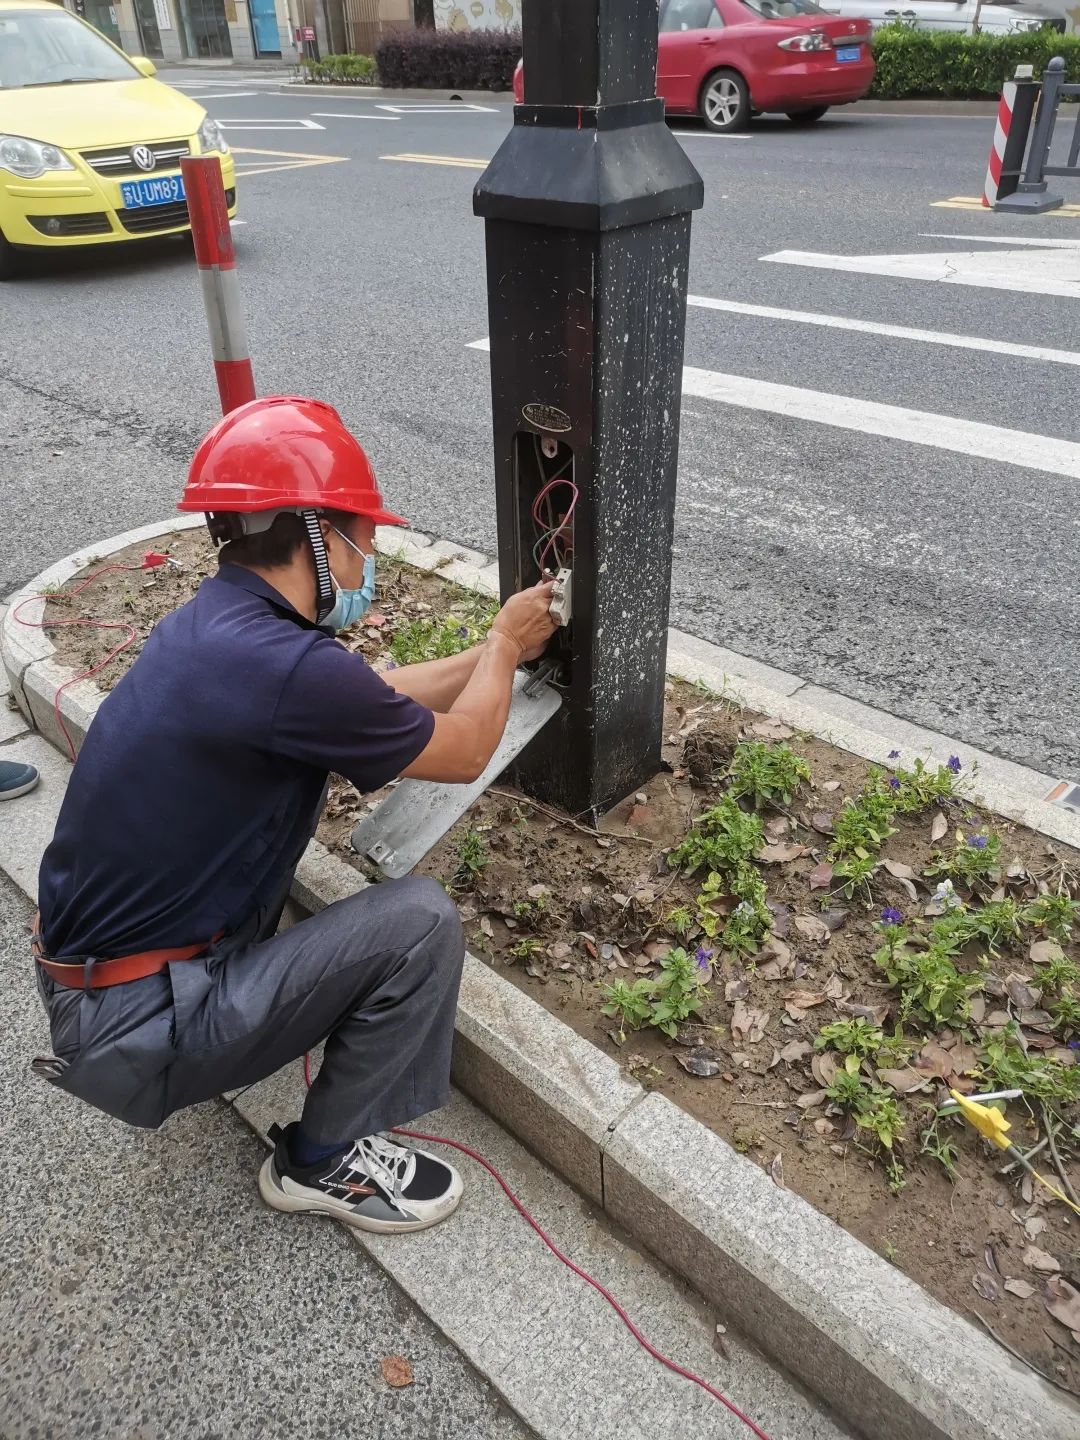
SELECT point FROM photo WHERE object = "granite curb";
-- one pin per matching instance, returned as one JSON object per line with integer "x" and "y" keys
{"x": 890, "y": 1359}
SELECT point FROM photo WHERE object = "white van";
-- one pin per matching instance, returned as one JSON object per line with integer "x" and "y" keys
{"x": 997, "y": 17}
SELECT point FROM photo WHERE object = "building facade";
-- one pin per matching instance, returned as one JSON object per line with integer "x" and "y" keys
{"x": 169, "y": 30}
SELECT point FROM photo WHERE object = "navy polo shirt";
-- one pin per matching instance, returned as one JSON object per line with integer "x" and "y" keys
{"x": 200, "y": 780}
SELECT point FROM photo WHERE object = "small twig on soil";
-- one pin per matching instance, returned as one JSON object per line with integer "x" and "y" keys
{"x": 566, "y": 820}
{"x": 1022, "y": 1358}
{"x": 1066, "y": 1183}
{"x": 765, "y": 1104}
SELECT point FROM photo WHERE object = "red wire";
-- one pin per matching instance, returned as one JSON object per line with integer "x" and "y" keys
{"x": 582, "y": 1274}
{"x": 132, "y": 634}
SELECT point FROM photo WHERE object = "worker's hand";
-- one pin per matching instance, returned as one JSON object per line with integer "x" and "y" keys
{"x": 525, "y": 620}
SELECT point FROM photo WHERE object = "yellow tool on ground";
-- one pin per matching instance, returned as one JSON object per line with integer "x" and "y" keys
{"x": 993, "y": 1126}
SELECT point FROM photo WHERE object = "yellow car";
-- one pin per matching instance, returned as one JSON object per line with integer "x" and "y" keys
{"x": 90, "y": 142}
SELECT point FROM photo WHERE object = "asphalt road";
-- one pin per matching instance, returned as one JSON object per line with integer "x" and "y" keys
{"x": 923, "y": 562}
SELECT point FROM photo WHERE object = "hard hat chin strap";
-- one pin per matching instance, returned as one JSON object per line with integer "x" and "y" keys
{"x": 324, "y": 589}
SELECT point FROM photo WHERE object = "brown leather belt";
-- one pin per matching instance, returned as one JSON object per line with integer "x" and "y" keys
{"x": 103, "y": 973}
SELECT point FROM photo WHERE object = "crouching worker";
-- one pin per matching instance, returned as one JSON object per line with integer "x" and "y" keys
{"x": 199, "y": 785}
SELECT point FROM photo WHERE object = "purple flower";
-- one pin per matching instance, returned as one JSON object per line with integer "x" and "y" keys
{"x": 894, "y": 754}
{"x": 391, "y": 664}
{"x": 1074, "y": 1044}
{"x": 891, "y": 916}
{"x": 894, "y": 782}
{"x": 978, "y": 842}
{"x": 954, "y": 764}
{"x": 703, "y": 957}
{"x": 463, "y": 632}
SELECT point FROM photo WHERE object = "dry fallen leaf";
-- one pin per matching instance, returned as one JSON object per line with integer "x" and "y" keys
{"x": 823, "y": 1126}
{"x": 904, "y": 1081}
{"x": 1043, "y": 951}
{"x": 932, "y": 1059}
{"x": 899, "y": 871}
{"x": 486, "y": 926}
{"x": 1061, "y": 1299}
{"x": 700, "y": 1062}
{"x": 804, "y": 999}
{"x": 776, "y": 1170}
{"x": 938, "y": 827}
{"x": 811, "y": 1098}
{"x": 772, "y": 730}
{"x": 1036, "y": 1259}
{"x": 834, "y": 988}
{"x": 986, "y": 1285}
{"x": 876, "y": 1014}
{"x": 780, "y": 854}
{"x": 822, "y": 821}
{"x": 831, "y": 785}
{"x": 396, "y": 1371}
{"x": 820, "y": 877}
{"x": 824, "y": 1066}
{"x": 964, "y": 1057}
{"x": 812, "y": 928}
{"x": 1023, "y": 996}
{"x": 736, "y": 990}
{"x": 747, "y": 1025}
{"x": 796, "y": 1050}
{"x": 1023, "y": 1288}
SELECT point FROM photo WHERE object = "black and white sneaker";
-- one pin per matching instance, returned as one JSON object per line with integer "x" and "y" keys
{"x": 377, "y": 1184}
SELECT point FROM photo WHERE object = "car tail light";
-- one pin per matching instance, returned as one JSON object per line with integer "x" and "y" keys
{"x": 814, "y": 40}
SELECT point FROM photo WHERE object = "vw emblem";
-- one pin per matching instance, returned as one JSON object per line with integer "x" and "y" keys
{"x": 143, "y": 157}
{"x": 852, "y": 29}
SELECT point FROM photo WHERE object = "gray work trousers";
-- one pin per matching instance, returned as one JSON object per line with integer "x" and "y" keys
{"x": 375, "y": 976}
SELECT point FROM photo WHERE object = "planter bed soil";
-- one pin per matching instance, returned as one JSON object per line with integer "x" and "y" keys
{"x": 562, "y": 911}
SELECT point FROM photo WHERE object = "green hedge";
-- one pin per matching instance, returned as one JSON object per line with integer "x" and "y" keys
{"x": 342, "y": 70}
{"x": 915, "y": 63}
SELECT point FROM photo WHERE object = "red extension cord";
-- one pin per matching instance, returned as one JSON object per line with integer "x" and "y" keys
{"x": 583, "y": 1274}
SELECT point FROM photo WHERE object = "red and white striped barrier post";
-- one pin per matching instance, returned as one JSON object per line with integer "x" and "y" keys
{"x": 216, "y": 259}
{"x": 1015, "y": 109}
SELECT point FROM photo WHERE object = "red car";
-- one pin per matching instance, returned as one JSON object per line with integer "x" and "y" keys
{"x": 726, "y": 60}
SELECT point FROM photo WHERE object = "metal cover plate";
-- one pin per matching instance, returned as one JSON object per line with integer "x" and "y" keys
{"x": 417, "y": 813}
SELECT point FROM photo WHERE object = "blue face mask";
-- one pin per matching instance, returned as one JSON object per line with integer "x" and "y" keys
{"x": 350, "y": 605}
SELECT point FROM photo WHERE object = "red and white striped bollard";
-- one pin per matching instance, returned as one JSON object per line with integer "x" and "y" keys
{"x": 1015, "y": 109}
{"x": 216, "y": 258}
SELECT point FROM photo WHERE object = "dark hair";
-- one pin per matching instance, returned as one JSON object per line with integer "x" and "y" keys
{"x": 270, "y": 549}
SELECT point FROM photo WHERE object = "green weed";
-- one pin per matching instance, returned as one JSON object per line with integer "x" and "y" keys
{"x": 1054, "y": 914}
{"x": 938, "y": 1146}
{"x": 1007, "y": 1067}
{"x": 931, "y": 988}
{"x": 863, "y": 824}
{"x": 850, "y": 1037}
{"x": 872, "y": 1107}
{"x": 767, "y": 774}
{"x": 722, "y": 836}
{"x": 631, "y": 1003}
{"x": 677, "y": 992}
{"x": 856, "y": 871}
{"x": 918, "y": 788}
{"x": 434, "y": 637}
{"x": 472, "y": 860}
{"x": 975, "y": 859}
{"x": 680, "y": 921}
{"x": 525, "y": 949}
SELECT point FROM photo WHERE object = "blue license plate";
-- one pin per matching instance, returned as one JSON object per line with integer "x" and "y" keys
{"x": 848, "y": 53}
{"x": 159, "y": 190}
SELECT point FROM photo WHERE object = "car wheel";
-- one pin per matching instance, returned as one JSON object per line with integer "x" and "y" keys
{"x": 807, "y": 117}
{"x": 725, "y": 101}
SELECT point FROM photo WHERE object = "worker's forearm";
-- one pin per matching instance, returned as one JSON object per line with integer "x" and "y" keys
{"x": 485, "y": 699}
{"x": 436, "y": 683}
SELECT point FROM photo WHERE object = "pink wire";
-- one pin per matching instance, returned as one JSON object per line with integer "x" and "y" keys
{"x": 582, "y": 1274}
{"x": 131, "y": 634}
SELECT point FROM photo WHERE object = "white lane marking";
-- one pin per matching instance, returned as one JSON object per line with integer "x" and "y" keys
{"x": 898, "y": 332}
{"x": 253, "y": 124}
{"x": 894, "y": 422}
{"x": 231, "y": 95}
{"x": 870, "y": 417}
{"x": 705, "y": 135}
{"x": 345, "y": 115}
{"x": 1049, "y": 244}
{"x": 1049, "y": 272}
{"x": 462, "y": 108}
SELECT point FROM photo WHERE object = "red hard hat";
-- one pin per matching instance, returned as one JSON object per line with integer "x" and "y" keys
{"x": 283, "y": 453}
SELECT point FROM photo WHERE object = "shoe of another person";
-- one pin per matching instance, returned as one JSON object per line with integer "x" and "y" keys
{"x": 374, "y": 1184}
{"x": 16, "y": 779}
